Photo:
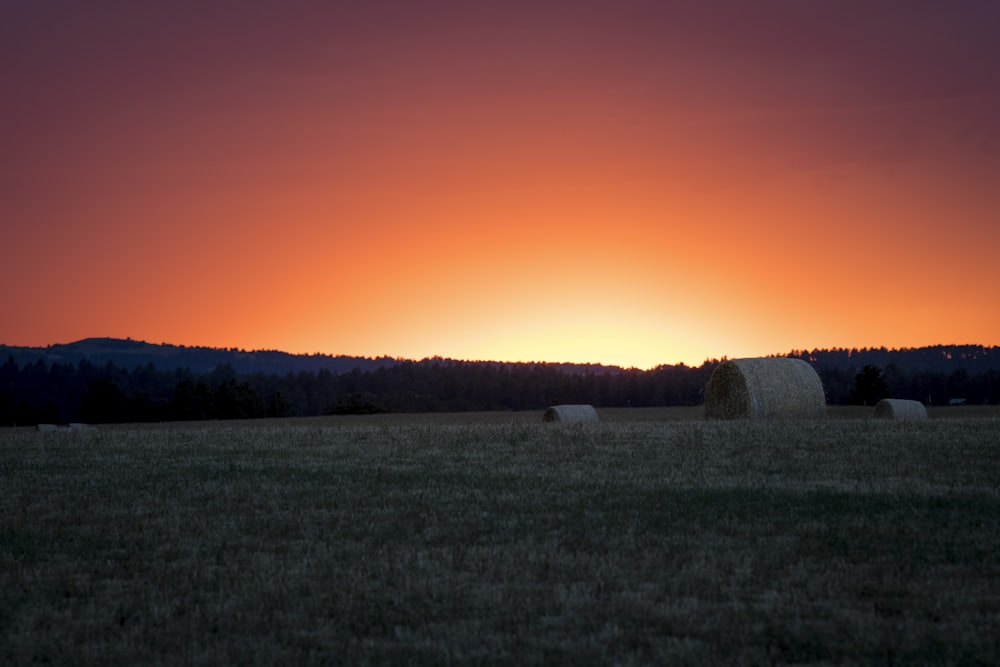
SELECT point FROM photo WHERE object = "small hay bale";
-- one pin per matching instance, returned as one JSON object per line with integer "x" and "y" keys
{"x": 49, "y": 428}
{"x": 78, "y": 426}
{"x": 900, "y": 408}
{"x": 764, "y": 387}
{"x": 571, "y": 414}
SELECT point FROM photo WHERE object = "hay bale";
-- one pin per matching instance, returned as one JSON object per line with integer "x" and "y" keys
{"x": 77, "y": 426}
{"x": 900, "y": 408}
{"x": 764, "y": 387}
{"x": 571, "y": 414}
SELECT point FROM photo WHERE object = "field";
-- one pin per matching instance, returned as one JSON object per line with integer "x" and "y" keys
{"x": 652, "y": 538}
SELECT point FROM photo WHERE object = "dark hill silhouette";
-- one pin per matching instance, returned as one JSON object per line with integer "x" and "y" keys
{"x": 933, "y": 358}
{"x": 128, "y": 354}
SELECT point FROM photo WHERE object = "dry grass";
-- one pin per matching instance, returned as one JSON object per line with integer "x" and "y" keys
{"x": 438, "y": 540}
{"x": 766, "y": 387}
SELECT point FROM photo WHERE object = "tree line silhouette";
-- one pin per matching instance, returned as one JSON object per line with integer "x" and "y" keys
{"x": 43, "y": 392}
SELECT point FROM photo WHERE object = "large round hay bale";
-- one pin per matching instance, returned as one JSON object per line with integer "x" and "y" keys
{"x": 764, "y": 387}
{"x": 900, "y": 408}
{"x": 78, "y": 426}
{"x": 571, "y": 414}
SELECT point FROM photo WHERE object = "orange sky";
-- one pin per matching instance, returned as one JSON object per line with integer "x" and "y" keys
{"x": 620, "y": 182}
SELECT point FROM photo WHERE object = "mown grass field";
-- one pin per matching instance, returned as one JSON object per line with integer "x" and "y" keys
{"x": 652, "y": 538}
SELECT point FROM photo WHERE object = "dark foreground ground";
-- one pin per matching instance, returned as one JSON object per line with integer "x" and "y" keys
{"x": 652, "y": 538}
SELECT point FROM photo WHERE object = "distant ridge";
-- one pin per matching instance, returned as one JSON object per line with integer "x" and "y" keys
{"x": 128, "y": 353}
{"x": 931, "y": 358}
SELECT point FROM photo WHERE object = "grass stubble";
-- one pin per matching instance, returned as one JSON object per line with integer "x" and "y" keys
{"x": 633, "y": 542}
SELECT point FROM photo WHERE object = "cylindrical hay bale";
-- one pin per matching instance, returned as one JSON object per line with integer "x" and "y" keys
{"x": 571, "y": 414}
{"x": 78, "y": 426}
{"x": 900, "y": 408}
{"x": 764, "y": 387}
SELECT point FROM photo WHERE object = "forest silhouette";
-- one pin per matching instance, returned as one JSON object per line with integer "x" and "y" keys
{"x": 111, "y": 381}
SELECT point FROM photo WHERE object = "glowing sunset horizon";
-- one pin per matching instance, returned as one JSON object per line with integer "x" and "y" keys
{"x": 629, "y": 183}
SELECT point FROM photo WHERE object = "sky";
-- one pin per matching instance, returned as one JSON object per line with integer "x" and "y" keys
{"x": 631, "y": 182}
